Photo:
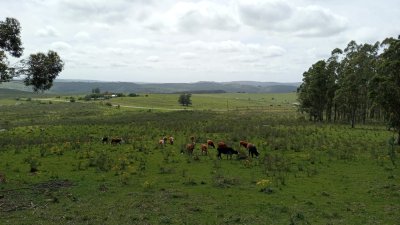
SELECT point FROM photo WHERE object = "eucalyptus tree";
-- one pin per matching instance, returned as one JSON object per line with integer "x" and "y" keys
{"x": 39, "y": 70}
{"x": 332, "y": 70}
{"x": 313, "y": 91}
{"x": 357, "y": 69}
{"x": 388, "y": 81}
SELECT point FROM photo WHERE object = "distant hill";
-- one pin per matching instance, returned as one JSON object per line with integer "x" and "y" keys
{"x": 14, "y": 93}
{"x": 82, "y": 87}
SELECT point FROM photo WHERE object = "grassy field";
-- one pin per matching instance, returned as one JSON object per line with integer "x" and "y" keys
{"x": 55, "y": 170}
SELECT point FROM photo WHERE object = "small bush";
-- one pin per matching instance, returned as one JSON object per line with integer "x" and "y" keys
{"x": 33, "y": 163}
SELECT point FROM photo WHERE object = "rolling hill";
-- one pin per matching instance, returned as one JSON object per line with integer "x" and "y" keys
{"x": 81, "y": 87}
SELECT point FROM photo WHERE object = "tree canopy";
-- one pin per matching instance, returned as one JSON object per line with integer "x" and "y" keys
{"x": 355, "y": 84}
{"x": 39, "y": 70}
{"x": 185, "y": 99}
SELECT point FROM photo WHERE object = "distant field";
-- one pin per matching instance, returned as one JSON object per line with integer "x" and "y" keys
{"x": 54, "y": 169}
{"x": 11, "y": 97}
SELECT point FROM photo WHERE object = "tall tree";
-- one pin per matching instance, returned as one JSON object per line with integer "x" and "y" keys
{"x": 39, "y": 69}
{"x": 332, "y": 70}
{"x": 356, "y": 72}
{"x": 313, "y": 91}
{"x": 388, "y": 81}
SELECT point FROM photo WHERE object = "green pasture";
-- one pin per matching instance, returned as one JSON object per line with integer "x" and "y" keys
{"x": 307, "y": 173}
{"x": 228, "y": 101}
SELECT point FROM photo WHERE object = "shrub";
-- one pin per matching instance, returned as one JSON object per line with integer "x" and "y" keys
{"x": 133, "y": 95}
{"x": 33, "y": 163}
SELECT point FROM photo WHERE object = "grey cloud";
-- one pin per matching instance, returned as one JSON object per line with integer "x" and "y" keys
{"x": 194, "y": 21}
{"x": 317, "y": 21}
{"x": 103, "y": 10}
{"x": 279, "y": 16}
{"x": 264, "y": 15}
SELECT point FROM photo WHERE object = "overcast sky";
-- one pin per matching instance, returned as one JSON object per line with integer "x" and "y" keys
{"x": 189, "y": 41}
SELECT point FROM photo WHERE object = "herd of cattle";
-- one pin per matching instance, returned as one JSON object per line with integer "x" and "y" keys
{"x": 222, "y": 148}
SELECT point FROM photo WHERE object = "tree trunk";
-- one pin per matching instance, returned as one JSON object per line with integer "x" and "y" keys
{"x": 398, "y": 138}
{"x": 335, "y": 113}
{"x": 353, "y": 118}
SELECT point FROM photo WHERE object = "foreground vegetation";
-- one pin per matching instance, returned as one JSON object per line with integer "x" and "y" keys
{"x": 54, "y": 168}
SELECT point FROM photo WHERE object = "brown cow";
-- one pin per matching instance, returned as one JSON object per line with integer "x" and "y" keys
{"x": 244, "y": 143}
{"x": 190, "y": 148}
{"x": 161, "y": 142}
{"x": 222, "y": 144}
{"x": 204, "y": 149}
{"x": 251, "y": 148}
{"x": 210, "y": 143}
{"x": 171, "y": 140}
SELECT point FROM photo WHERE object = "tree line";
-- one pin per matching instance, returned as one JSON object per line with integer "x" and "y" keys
{"x": 356, "y": 84}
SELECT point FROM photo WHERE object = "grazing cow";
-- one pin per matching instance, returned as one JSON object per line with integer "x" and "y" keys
{"x": 210, "y": 143}
{"x": 244, "y": 143}
{"x": 227, "y": 150}
{"x": 190, "y": 148}
{"x": 204, "y": 149}
{"x": 252, "y": 150}
{"x": 104, "y": 140}
{"x": 161, "y": 142}
{"x": 171, "y": 140}
{"x": 221, "y": 144}
{"x": 250, "y": 147}
{"x": 115, "y": 141}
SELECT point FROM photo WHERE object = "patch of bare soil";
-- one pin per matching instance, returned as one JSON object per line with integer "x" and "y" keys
{"x": 31, "y": 197}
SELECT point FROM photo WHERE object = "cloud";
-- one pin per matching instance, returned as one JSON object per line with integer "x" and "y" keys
{"x": 279, "y": 16}
{"x": 230, "y": 46}
{"x": 153, "y": 58}
{"x": 109, "y": 12}
{"x": 60, "y": 45}
{"x": 317, "y": 21}
{"x": 139, "y": 43}
{"x": 193, "y": 17}
{"x": 244, "y": 59}
{"x": 274, "y": 51}
{"x": 82, "y": 36}
{"x": 188, "y": 55}
{"x": 47, "y": 31}
{"x": 119, "y": 64}
{"x": 264, "y": 14}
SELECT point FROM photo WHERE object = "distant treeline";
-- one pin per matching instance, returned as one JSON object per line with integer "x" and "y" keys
{"x": 358, "y": 83}
{"x": 202, "y": 92}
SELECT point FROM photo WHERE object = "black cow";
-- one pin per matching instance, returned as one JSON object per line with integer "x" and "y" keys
{"x": 115, "y": 141}
{"x": 253, "y": 151}
{"x": 104, "y": 140}
{"x": 226, "y": 150}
